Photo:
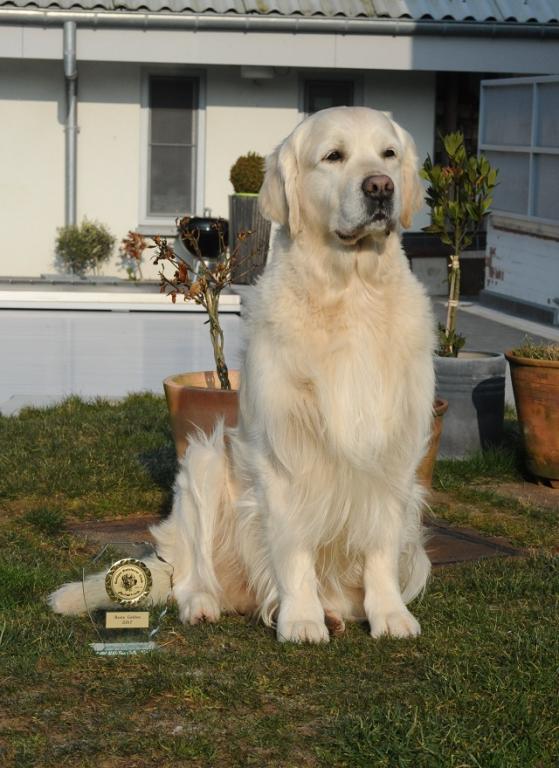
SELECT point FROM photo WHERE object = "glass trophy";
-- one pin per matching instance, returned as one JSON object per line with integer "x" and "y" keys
{"x": 120, "y": 580}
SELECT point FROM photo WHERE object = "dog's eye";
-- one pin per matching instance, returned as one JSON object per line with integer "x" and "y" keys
{"x": 334, "y": 156}
{"x": 389, "y": 153}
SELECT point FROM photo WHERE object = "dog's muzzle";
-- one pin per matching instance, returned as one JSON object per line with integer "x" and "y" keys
{"x": 379, "y": 193}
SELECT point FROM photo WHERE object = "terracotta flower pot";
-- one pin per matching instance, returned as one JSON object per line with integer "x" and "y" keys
{"x": 425, "y": 469}
{"x": 536, "y": 394}
{"x": 196, "y": 400}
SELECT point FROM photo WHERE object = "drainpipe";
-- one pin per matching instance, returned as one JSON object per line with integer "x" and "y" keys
{"x": 71, "y": 127}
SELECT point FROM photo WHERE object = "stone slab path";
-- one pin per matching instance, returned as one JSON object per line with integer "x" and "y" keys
{"x": 446, "y": 544}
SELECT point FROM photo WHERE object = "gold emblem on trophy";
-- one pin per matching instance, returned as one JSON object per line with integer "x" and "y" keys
{"x": 128, "y": 581}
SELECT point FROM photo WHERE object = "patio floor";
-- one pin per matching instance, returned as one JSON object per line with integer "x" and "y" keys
{"x": 446, "y": 545}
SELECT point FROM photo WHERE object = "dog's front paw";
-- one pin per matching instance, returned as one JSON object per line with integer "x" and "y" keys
{"x": 302, "y": 632}
{"x": 396, "y": 624}
{"x": 197, "y": 607}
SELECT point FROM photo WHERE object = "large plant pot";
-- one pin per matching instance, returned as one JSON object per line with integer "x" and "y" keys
{"x": 196, "y": 400}
{"x": 536, "y": 394}
{"x": 425, "y": 469}
{"x": 474, "y": 385}
{"x": 244, "y": 216}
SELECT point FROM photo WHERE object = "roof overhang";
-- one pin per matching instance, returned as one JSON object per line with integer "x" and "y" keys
{"x": 338, "y": 43}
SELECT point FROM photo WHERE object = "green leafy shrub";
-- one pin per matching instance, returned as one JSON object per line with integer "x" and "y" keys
{"x": 247, "y": 173}
{"x": 83, "y": 248}
{"x": 459, "y": 196}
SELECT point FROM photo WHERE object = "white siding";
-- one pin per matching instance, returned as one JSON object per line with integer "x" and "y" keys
{"x": 241, "y": 115}
{"x": 109, "y": 148}
{"x": 523, "y": 267}
{"x": 31, "y": 164}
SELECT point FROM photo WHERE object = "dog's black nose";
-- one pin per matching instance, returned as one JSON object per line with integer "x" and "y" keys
{"x": 378, "y": 187}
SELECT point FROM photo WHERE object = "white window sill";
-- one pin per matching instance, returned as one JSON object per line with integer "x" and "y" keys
{"x": 524, "y": 225}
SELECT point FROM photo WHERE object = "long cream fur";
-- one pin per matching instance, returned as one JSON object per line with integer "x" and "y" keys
{"x": 309, "y": 513}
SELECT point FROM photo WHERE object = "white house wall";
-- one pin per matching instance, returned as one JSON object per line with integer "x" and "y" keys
{"x": 31, "y": 164}
{"x": 243, "y": 115}
{"x": 109, "y": 146}
{"x": 240, "y": 115}
{"x": 523, "y": 267}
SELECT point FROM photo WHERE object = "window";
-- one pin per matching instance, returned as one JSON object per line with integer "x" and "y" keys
{"x": 322, "y": 94}
{"x": 172, "y": 146}
{"x": 519, "y": 134}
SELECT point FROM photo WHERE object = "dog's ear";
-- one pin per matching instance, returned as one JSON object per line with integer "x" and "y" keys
{"x": 278, "y": 199}
{"x": 413, "y": 194}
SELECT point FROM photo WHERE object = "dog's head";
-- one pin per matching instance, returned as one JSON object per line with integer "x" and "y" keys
{"x": 350, "y": 172}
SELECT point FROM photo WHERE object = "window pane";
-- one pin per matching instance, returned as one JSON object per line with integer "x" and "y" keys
{"x": 546, "y": 187}
{"x": 548, "y": 115}
{"x": 511, "y": 192}
{"x": 171, "y": 180}
{"x": 508, "y": 115}
{"x": 171, "y": 110}
{"x": 323, "y": 94}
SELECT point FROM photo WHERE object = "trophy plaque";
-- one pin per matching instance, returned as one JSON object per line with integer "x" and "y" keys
{"x": 120, "y": 579}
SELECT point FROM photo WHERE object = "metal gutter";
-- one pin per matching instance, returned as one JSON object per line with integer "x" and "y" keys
{"x": 303, "y": 25}
{"x": 71, "y": 127}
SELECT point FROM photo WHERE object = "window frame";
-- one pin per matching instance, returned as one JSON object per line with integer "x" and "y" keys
{"x": 165, "y": 225}
{"x": 334, "y": 77}
{"x": 525, "y": 222}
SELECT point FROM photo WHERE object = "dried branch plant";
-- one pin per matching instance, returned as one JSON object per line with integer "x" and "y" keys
{"x": 202, "y": 284}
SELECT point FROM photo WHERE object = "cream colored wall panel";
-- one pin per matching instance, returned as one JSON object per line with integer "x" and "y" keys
{"x": 109, "y": 148}
{"x": 410, "y": 98}
{"x": 31, "y": 164}
{"x": 242, "y": 116}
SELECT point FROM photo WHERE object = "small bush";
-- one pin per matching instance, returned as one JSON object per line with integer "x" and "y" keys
{"x": 247, "y": 173}
{"x": 83, "y": 248}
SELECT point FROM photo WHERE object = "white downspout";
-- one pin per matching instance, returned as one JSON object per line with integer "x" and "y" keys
{"x": 71, "y": 127}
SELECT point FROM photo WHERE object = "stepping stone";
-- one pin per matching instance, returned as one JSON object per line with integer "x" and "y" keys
{"x": 446, "y": 545}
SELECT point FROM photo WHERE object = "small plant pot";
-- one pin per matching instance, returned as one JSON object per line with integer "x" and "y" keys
{"x": 196, "y": 401}
{"x": 244, "y": 216}
{"x": 474, "y": 386}
{"x": 536, "y": 394}
{"x": 425, "y": 469}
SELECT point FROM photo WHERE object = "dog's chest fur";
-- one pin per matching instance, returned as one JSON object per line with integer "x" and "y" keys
{"x": 353, "y": 363}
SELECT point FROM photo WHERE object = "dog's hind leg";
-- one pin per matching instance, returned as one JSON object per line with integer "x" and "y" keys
{"x": 188, "y": 538}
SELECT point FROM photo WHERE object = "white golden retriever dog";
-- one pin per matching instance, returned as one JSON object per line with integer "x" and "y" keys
{"x": 309, "y": 512}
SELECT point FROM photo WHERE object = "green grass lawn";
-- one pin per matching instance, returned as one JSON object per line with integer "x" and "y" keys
{"x": 478, "y": 688}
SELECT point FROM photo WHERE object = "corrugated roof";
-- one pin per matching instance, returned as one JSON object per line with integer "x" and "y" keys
{"x": 522, "y": 11}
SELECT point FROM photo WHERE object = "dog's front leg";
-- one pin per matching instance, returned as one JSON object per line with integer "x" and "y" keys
{"x": 384, "y": 607}
{"x": 301, "y": 615}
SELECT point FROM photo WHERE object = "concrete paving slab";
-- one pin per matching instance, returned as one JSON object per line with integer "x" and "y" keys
{"x": 446, "y": 545}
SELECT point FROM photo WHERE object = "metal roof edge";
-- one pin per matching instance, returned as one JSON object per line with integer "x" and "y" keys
{"x": 251, "y": 23}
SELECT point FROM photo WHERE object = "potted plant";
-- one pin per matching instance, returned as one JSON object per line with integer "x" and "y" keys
{"x": 131, "y": 251}
{"x": 83, "y": 248}
{"x": 246, "y": 176}
{"x": 535, "y": 380}
{"x": 196, "y": 399}
{"x": 473, "y": 382}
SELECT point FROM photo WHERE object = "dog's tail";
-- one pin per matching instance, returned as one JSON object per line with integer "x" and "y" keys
{"x": 78, "y": 597}
{"x": 415, "y": 568}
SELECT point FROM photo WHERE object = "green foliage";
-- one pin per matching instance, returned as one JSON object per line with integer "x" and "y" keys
{"x": 459, "y": 196}
{"x": 537, "y": 351}
{"x": 459, "y": 193}
{"x": 247, "y": 173}
{"x": 83, "y": 248}
{"x": 450, "y": 342}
